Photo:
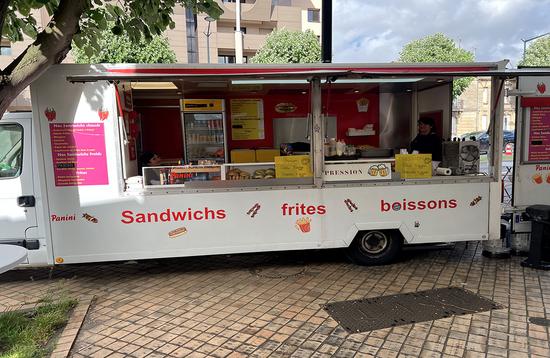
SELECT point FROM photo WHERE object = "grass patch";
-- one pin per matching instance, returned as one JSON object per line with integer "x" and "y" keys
{"x": 29, "y": 334}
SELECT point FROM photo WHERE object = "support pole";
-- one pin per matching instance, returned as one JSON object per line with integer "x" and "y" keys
{"x": 238, "y": 34}
{"x": 326, "y": 31}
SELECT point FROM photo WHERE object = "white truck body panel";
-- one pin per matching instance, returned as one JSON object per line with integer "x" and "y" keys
{"x": 98, "y": 220}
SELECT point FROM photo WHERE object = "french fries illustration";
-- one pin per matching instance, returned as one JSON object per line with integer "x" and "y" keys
{"x": 90, "y": 218}
{"x": 303, "y": 224}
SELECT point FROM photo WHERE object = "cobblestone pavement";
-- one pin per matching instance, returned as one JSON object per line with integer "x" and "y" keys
{"x": 269, "y": 305}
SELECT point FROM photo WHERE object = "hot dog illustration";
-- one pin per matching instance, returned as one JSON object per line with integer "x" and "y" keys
{"x": 476, "y": 200}
{"x": 285, "y": 108}
{"x": 90, "y": 218}
{"x": 177, "y": 232}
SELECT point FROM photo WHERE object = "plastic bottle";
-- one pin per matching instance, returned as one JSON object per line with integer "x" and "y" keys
{"x": 340, "y": 147}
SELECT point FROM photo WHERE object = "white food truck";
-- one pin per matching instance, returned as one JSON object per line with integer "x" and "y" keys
{"x": 254, "y": 158}
{"x": 531, "y": 167}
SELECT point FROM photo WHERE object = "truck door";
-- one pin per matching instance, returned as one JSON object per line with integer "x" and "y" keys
{"x": 17, "y": 201}
{"x": 532, "y": 159}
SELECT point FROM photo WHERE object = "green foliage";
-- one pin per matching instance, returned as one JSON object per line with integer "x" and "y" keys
{"x": 136, "y": 18}
{"x": 284, "y": 46}
{"x": 538, "y": 53}
{"x": 27, "y": 334}
{"x": 121, "y": 49}
{"x": 438, "y": 48}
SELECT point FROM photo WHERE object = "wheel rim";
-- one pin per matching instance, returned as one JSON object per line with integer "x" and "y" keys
{"x": 374, "y": 242}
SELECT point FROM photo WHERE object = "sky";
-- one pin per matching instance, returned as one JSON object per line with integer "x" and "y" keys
{"x": 377, "y": 30}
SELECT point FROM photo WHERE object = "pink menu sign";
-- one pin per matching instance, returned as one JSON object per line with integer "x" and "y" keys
{"x": 78, "y": 151}
{"x": 539, "y": 134}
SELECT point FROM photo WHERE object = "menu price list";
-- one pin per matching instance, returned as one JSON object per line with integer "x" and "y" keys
{"x": 539, "y": 134}
{"x": 78, "y": 153}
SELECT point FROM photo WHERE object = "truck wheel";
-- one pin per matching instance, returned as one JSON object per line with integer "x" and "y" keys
{"x": 376, "y": 247}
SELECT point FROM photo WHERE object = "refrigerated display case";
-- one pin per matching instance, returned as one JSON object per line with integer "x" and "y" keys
{"x": 204, "y": 131}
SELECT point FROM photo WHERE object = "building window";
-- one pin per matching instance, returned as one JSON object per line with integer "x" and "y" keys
{"x": 243, "y": 29}
{"x": 483, "y": 122}
{"x": 192, "y": 39}
{"x": 242, "y": 1}
{"x": 313, "y": 15}
{"x": 222, "y": 59}
{"x": 5, "y": 48}
{"x": 507, "y": 123}
{"x": 485, "y": 95}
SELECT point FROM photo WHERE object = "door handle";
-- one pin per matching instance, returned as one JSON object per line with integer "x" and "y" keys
{"x": 26, "y": 201}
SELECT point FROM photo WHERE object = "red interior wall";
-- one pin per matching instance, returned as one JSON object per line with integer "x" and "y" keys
{"x": 161, "y": 128}
{"x": 162, "y": 132}
{"x": 341, "y": 105}
{"x": 344, "y": 107}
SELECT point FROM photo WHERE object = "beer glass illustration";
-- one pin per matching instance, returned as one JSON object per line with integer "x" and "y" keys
{"x": 373, "y": 170}
{"x": 383, "y": 170}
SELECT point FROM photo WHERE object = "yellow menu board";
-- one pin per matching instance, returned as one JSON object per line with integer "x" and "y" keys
{"x": 202, "y": 105}
{"x": 293, "y": 166}
{"x": 414, "y": 166}
{"x": 247, "y": 119}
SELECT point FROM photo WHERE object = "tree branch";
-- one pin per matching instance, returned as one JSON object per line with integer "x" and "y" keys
{"x": 50, "y": 47}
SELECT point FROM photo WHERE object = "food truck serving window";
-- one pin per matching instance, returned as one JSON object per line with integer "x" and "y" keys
{"x": 233, "y": 133}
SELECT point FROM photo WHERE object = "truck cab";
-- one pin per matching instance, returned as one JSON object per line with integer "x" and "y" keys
{"x": 20, "y": 201}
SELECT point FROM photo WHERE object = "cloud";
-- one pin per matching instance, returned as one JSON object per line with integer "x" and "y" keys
{"x": 376, "y": 31}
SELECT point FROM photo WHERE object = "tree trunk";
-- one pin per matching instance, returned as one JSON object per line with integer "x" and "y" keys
{"x": 50, "y": 47}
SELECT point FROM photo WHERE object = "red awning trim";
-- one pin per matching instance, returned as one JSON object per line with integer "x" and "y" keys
{"x": 237, "y": 71}
{"x": 535, "y": 101}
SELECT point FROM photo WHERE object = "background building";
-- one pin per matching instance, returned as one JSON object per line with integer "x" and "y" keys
{"x": 471, "y": 110}
{"x": 189, "y": 37}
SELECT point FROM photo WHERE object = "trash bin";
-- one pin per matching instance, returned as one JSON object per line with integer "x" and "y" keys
{"x": 539, "y": 248}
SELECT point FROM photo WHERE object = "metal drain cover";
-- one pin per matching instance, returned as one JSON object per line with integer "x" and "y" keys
{"x": 388, "y": 311}
{"x": 278, "y": 271}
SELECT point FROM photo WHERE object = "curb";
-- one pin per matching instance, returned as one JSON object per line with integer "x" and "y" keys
{"x": 68, "y": 335}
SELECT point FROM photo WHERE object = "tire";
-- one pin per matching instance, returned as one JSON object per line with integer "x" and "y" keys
{"x": 375, "y": 247}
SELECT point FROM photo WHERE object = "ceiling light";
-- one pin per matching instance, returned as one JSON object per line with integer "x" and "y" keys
{"x": 267, "y": 82}
{"x": 153, "y": 85}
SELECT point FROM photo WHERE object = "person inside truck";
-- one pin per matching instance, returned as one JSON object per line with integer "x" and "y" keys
{"x": 427, "y": 141}
{"x": 150, "y": 159}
